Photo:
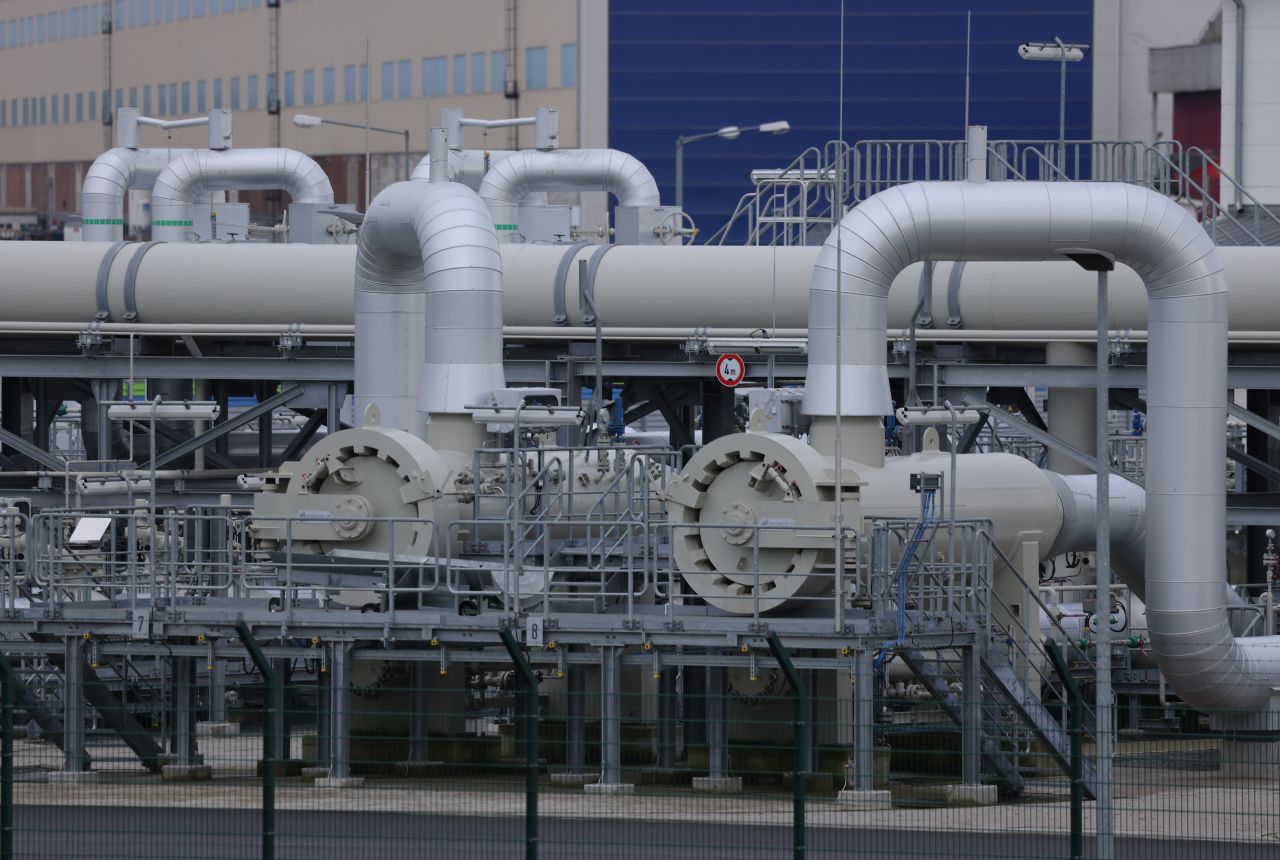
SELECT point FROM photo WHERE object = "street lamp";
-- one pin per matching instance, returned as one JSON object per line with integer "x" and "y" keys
{"x": 1056, "y": 51}
{"x": 729, "y": 132}
{"x": 303, "y": 120}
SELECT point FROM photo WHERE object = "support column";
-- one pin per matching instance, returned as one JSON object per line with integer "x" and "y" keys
{"x": 104, "y": 390}
{"x": 419, "y": 702}
{"x": 265, "y": 441}
{"x": 333, "y": 409}
{"x": 610, "y": 725}
{"x": 73, "y": 706}
{"x": 666, "y": 719}
{"x": 281, "y": 716}
{"x": 717, "y": 411}
{"x": 971, "y": 723}
{"x": 1073, "y": 412}
{"x": 717, "y": 733}
{"x": 339, "y": 720}
{"x": 861, "y": 776}
{"x": 11, "y": 405}
{"x": 575, "y": 730}
{"x": 186, "y": 764}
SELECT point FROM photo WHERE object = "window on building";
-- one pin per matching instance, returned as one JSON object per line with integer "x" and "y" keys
{"x": 535, "y": 68}
{"x": 477, "y": 72}
{"x": 4, "y": 114}
{"x": 272, "y": 93}
{"x": 26, "y": 111}
{"x": 119, "y": 98}
{"x": 133, "y": 97}
{"x": 80, "y": 107}
{"x": 168, "y": 10}
{"x": 197, "y": 9}
{"x": 364, "y": 81}
{"x": 44, "y": 115}
{"x": 162, "y": 102}
{"x": 184, "y": 9}
{"x": 217, "y": 93}
{"x": 459, "y": 74}
{"x": 569, "y": 65}
{"x": 173, "y": 98}
{"x": 133, "y": 14}
{"x": 40, "y": 29}
{"x": 309, "y": 86}
{"x": 93, "y": 105}
{"x": 435, "y": 72}
{"x": 348, "y": 83}
{"x": 404, "y": 79}
{"x": 388, "y": 81}
{"x": 144, "y": 14}
{"x": 54, "y": 111}
{"x": 289, "y": 78}
{"x": 202, "y": 97}
{"x": 235, "y": 94}
{"x": 251, "y": 92}
{"x": 228, "y": 6}
{"x": 73, "y": 25}
{"x": 186, "y": 98}
{"x": 146, "y": 100}
{"x": 329, "y": 85}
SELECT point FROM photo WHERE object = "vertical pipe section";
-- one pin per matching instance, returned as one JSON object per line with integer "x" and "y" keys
{"x": 1105, "y": 700}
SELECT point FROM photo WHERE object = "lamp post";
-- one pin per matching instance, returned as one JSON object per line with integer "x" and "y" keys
{"x": 303, "y": 120}
{"x": 729, "y": 132}
{"x": 1062, "y": 53}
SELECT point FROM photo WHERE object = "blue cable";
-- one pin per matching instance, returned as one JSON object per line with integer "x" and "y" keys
{"x": 927, "y": 518}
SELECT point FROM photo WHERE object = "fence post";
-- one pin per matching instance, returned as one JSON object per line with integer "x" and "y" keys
{"x": 800, "y": 730}
{"x": 1075, "y": 705}
{"x": 530, "y": 743}
{"x": 268, "y": 739}
{"x": 7, "y": 684}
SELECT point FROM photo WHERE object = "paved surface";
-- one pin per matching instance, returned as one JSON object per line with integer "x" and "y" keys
{"x": 131, "y": 814}
{"x": 226, "y": 834}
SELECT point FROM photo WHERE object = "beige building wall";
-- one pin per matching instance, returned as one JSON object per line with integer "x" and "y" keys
{"x": 314, "y": 35}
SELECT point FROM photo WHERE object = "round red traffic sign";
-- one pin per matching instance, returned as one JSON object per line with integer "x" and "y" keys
{"x": 730, "y": 369}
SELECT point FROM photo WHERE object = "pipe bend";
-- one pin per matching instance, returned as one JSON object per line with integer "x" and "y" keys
{"x": 510, "y": 181}
{"x": 112, "y": 174}
{"x": 1187, "y": 374}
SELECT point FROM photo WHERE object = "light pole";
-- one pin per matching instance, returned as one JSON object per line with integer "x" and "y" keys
{"x": 303, "y": 120}
{"x": 729, "y": 132}
{"x": 1062, "y": 53}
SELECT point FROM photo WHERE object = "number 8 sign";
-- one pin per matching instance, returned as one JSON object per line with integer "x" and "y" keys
{"x": 730, "y": 369}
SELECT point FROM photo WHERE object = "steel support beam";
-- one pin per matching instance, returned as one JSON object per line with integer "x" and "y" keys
{"x": 717, "y": 724}
{"x": 419, "y": 705}
{"x": 183, "y": 675}
{"x": 221, "y": 429}
{"x": 863, "y": 722}
{"x": 575, "y": 716}
{"x": 971, "y": 722}
{"x": 74, "y": 710}
{"x": 339, "y": 710}
{"x": 610, "y": 715}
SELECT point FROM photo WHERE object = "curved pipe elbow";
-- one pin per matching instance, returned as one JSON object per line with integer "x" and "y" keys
{"x": 200, "y": 172}
{"x": 1187, "y": 374}
{"x": 111, "y": 175}
{"x": 511, "y": 180}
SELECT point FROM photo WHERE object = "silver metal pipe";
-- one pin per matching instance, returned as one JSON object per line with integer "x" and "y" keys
{"x": 1187, "y": 375}
{"x": 428, "y": 293}
{"x": 1238, "y": 116}
{"x": 196, "y": 173}
{"x": 112, "y": 174}
{"x": 510, "y": 181}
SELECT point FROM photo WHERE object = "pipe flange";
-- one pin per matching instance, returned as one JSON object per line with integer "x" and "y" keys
{"x": 739, "y": 519}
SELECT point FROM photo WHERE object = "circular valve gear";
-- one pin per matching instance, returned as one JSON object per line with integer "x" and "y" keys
{"x": 380, "y": 472}
{"x": 728, "y": 487}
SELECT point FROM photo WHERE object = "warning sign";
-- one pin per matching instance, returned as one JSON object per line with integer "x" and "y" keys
{"x": 730, "y": 369}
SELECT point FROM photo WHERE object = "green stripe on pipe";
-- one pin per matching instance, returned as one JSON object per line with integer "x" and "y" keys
{"x": 170, "y": 223}
{"x": 102, "y": 221}
{"x": 506, "y": 226}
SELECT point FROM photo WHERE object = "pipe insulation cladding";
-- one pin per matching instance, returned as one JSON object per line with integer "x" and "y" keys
{"x": 1191, "y": 635}
{"x": 110, "y": 176}
{"x": 427, "y": 251}
{"x": 676, "y": 289}
{"x": 190, "y": 176}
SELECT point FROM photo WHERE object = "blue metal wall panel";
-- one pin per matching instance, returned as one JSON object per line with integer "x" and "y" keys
{"x": 688, "y": 66}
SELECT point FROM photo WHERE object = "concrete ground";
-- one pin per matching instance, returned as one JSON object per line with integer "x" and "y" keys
{"x": 1170, "y": 804}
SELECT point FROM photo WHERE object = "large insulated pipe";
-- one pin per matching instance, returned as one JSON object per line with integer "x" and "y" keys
{"x": 1186, "y": 379}
{"x": 673, "y": 290}
{"x": 427, "y": 250}
{"x": 197, "y": 173}
{"x": 110, "y": 176}
{"x": 510, "y": 181}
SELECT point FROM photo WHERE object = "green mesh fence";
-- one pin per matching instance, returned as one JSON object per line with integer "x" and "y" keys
{"x": 423, "y": 752}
